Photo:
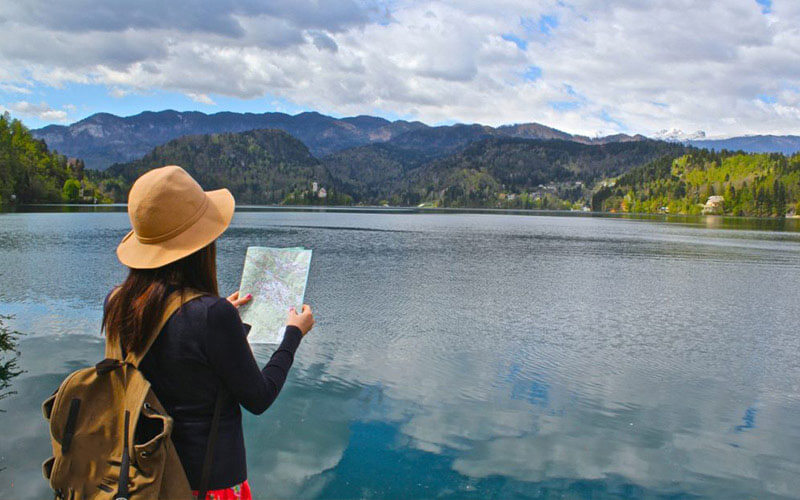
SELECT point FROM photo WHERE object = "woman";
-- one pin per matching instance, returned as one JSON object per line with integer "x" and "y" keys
{"x": 203, "y": 348}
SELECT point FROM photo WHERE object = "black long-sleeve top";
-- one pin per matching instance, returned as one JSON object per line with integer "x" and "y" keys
{"x": 201, "y": 350}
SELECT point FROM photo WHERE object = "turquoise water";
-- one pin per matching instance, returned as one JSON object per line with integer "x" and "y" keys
{"x": 471, "y": 355}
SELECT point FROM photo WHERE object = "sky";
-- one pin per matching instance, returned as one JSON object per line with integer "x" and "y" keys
{"x": 594, "y": 67}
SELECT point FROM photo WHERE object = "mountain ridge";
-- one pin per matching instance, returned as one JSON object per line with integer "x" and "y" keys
{"x": 103, "y": 139}
{"x": 758, "y": 143}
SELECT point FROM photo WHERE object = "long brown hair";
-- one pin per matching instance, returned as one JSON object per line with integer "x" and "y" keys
{"x": 134, "y": 310}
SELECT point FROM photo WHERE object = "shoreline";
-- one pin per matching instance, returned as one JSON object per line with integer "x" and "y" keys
{"x": 122, "y": 207}
{"x": 722, "y": 222}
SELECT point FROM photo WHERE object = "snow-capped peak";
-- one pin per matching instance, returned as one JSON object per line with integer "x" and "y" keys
{"x": 678, "y": 135}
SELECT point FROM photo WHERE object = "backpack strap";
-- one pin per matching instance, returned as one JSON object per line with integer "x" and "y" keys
{"x": 113, "y": 349}
{"x": 205, "y": 478}
{"x": 173, "y": 303}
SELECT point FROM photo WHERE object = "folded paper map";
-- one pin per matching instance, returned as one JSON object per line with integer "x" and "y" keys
{"x": 277, "y": 279}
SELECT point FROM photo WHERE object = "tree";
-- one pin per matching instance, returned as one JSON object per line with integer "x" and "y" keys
{"x": 71, "y": 190}
{"x": 760, "y": 201}
{"x": 780, "y": 198}
{"x": 29, "y": 172}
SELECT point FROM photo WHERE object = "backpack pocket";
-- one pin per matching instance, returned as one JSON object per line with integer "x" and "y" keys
{"x": 47, "y": 406}
{"x": 47, "y": 467}
{"x": 152, "y": 430}
{"x": 50, "y": 466}
{"x": 53, "y": 471}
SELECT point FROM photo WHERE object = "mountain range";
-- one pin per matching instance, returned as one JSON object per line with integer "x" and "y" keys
{"x": 786, "y": 144}
{"x": 276, "y": 157}
{"x": 103, "y": 139}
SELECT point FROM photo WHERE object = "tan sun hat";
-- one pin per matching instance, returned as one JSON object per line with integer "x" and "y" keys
{"x": 172, "y": 217}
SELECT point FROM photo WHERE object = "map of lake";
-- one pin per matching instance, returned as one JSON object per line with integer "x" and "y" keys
{"x": 276, "y": 277}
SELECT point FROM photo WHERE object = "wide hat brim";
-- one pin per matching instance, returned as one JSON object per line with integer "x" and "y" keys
{"x": 208, "y": 227}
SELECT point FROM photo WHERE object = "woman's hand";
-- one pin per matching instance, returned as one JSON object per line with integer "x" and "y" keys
{"x": 303, "y": 321}
{"x": 236, "y": 301}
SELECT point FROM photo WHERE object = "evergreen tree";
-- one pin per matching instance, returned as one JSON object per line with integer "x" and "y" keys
{"x": 780, "y": 198}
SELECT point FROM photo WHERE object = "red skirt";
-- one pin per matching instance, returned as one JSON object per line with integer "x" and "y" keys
{"x": 238, "y": 492}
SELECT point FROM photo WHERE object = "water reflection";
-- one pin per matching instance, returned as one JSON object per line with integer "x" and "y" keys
{"x": 789, "y": 224}
{"x": 9, "y": 367}
{"x": 472, "y": 355}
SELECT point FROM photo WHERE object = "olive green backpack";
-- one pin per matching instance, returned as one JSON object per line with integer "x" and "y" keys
{"x": 111, "y": 435}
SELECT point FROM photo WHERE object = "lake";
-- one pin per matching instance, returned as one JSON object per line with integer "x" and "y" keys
{"x": 470, "y": 355}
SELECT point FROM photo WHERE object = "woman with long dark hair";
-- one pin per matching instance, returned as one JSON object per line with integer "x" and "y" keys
{"x": 200, "y": 362}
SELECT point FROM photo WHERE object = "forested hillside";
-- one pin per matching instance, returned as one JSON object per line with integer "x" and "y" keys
{"x": 258, "y": 166}
{"x": 508, "y": 172}
{"x": 30, "y": 173}
{"x": 373, "y": 173}
{"x": 458, "y": 166}
{"x": 760, "y": 185}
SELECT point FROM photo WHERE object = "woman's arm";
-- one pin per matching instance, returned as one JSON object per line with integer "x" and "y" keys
{"x": 232, "y": 358}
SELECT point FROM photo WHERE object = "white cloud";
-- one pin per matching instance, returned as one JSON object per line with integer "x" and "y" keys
{"x": 118, "y": 92}
{"x": 201, "y": 98}
{"x": 41, "y": 111}
{"x": 625, "y": 65}
{"x": 14, "y": 89}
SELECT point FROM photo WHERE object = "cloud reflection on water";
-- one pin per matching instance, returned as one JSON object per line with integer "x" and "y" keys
{"x": 476, "y": 355}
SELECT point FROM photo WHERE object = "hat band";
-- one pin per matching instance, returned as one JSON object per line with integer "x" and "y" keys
{"x": 178, "y": 230}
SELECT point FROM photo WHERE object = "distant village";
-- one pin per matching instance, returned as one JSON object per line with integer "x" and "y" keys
{"x": 318, "y": 191}
{"x": 563, "y": 196}
{"x": 317, "y": 195}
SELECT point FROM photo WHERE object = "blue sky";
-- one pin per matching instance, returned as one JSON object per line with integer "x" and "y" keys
{"x": 584, "y": 66}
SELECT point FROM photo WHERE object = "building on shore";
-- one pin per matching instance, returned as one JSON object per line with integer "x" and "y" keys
{"x": 714, "y": 206}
